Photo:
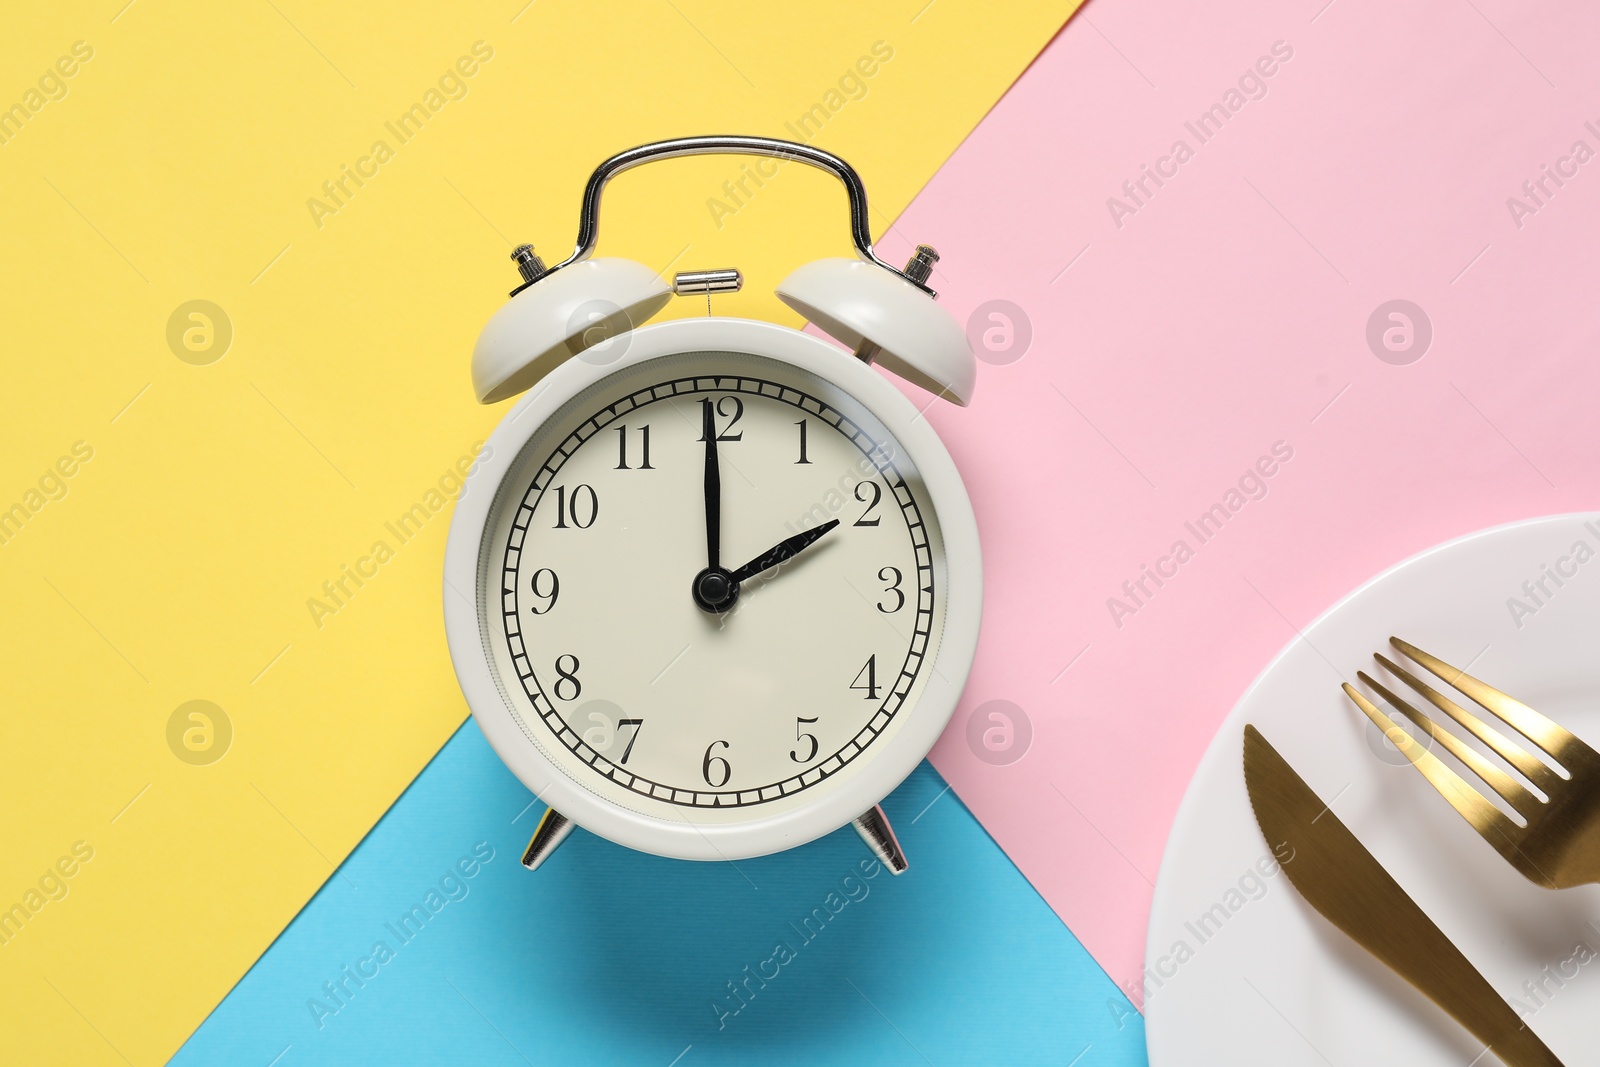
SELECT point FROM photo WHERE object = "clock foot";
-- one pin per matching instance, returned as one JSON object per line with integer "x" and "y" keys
{"x": 547, "y": 837}
{"x": 875, "y": 830}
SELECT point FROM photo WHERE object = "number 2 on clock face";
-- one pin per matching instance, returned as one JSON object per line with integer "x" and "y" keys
{"x": 603, "y": 528}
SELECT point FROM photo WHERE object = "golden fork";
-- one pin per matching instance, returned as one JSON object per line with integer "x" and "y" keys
{"x": 1557, "y": 843}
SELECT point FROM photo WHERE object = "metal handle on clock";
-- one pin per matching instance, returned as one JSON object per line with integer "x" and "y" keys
{"x": 589, "y": 216}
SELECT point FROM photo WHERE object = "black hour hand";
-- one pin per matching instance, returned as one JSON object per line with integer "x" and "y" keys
{"x": 781, "y": 552}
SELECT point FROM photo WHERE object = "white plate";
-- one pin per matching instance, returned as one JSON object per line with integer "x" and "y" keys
{"x": 1268, "y": 981}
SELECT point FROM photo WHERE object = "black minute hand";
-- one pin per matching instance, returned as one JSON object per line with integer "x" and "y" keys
{"x": 713, "y": 486}
{"x": 786, "y": 549}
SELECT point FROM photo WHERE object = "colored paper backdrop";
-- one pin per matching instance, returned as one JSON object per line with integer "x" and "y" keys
{"x": 603, "y": 956}
{"x": 248, "y": 248}
{"x": 1288, "y": 293}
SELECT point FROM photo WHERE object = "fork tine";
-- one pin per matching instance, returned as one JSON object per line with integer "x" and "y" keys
{"x": 1508, "y": 787}
{"x": 1530, "y": 766}
{"x": 1492, "y": 824}
{"x": 1527, "y": 722}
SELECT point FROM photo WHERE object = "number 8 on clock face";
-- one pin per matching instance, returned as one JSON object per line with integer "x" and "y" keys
{"x": 717, "y": 596}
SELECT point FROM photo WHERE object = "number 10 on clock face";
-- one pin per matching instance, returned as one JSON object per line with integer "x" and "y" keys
{"x": 714, "y": 587}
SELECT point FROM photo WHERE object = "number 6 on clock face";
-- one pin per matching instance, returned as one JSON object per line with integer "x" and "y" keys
{"x": 737, "y": 550}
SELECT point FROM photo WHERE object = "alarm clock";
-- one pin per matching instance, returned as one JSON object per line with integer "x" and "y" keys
{"x": 714, "y": 587}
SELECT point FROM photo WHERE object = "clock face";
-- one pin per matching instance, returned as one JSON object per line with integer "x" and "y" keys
{"x": 706, "y": 707}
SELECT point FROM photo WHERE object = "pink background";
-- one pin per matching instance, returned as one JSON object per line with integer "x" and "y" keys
{"x": 1229, "y": 313}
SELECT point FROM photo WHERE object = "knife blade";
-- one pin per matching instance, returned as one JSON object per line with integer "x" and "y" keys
{"x": 1340, "y": 879}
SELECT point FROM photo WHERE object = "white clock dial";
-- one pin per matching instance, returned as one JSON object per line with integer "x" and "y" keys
{"x": 604, "y": 658}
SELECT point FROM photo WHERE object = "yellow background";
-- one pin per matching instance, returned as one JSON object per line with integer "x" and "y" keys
{"x": 220, "y": 497}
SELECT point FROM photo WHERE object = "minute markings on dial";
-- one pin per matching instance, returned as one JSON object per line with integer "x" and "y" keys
{"x": 896, "y": 686}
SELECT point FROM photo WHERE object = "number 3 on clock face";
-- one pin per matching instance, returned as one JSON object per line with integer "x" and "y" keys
{"x": 713, "y": 591}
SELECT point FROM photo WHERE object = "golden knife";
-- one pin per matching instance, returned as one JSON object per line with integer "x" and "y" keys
{"x": 1341, "y": 879}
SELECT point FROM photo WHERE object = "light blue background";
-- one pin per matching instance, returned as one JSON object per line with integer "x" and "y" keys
{"x": 610, "y": 956}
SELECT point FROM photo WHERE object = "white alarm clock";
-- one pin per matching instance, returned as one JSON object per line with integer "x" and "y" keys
{"x": 714, "y": 587}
